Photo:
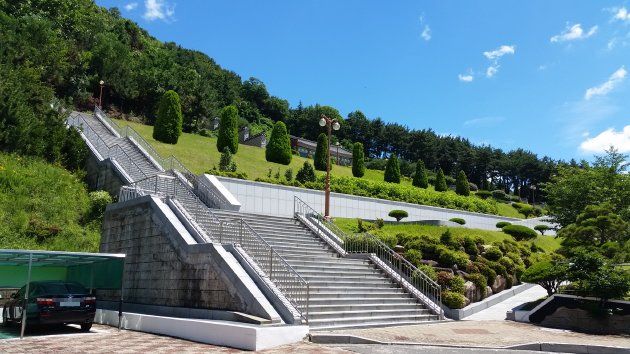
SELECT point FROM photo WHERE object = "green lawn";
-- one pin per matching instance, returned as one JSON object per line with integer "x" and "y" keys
{"x": 548, "y": 243}
{"x": 199, "y": 154}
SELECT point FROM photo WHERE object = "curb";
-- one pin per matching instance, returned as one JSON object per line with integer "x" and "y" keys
{"x": 542, "y": 347}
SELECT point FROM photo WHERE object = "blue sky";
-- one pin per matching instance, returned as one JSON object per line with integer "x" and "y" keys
{"x": 548, "y": 76}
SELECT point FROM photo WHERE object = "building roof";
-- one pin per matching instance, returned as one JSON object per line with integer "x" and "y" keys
{"x": 313, "y": 145}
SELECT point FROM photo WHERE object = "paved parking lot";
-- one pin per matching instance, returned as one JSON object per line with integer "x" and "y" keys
{"x": 104, "y": 339}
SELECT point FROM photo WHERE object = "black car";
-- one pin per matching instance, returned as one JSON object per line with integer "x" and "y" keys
{"x": 52, "y": 302}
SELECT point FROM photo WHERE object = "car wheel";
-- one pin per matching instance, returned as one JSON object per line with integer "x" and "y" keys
{"x": 85, "y": 327}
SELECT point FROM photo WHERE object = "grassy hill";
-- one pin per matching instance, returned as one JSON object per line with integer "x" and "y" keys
{"x": 43, "y": 206}
{"x": 199, "y": 154}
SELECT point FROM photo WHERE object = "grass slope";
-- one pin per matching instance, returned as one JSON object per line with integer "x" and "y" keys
{"x": 547, "y": 243}
{"x": 44, "y": 207}
{"x": 199, "y": 154}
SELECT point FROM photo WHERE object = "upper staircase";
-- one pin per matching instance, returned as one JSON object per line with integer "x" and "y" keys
{"x": 328, "y": 290}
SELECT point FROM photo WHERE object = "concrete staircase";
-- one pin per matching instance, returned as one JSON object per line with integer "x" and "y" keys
{"x": 344, "y": 292}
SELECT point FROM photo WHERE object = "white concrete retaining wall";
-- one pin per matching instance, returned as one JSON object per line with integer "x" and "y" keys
{"x": 272, "y": 199}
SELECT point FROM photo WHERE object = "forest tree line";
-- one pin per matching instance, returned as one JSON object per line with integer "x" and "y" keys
{"x": 57, "y": 51}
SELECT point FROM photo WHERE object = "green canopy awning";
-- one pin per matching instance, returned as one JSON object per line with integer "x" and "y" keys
{"x": 92, "y": 270}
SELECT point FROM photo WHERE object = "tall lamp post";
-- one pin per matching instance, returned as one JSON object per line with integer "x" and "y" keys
{"x": 330, "y": 124}
{"x": 100, "y": 97}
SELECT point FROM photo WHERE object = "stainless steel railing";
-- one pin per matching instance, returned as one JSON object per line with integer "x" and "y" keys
{"x": 405, "y": 273}
{"x": 114, "y": 152}
{"x": 229, "y": 231}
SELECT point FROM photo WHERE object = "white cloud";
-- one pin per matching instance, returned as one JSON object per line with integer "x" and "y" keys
{"x": 495, "y": 55}
{"x": 499, "y": 52}
{"x": 613, "y": 81}
{"x": 465, "y": 78}
{"x": 492, "y": 70}
{"x": 158, "y": 10}
{"x": 426, "y": 30}
{"x": 609, "y": 137}
{"x": 572, "y": 33}
{"x": 484, "y": 121}
{"x": 621, "y": 14}
{"x": 131, "y": 6}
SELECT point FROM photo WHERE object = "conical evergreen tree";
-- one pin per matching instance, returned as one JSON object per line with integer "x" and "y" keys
{"x": 228, "y": 130}
{"x": 358, "y": 160}
{"x": 440, "y": 181}
{"x": 461, "y": 184}
{"x": 392, "y": 170}
{"x": 279, "y": 147}
{"x": 321, "y": 156}
{"x": 420, "y": 179}
{"x": 168, "y": 125}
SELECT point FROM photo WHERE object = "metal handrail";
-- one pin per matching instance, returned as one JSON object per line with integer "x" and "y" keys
{"x": 229, "y": 231}
{"x": 405, "y": 272}
{"x": 114, "y": 152}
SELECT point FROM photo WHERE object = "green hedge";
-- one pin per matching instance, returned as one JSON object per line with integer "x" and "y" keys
{"x": 520, "y": 232}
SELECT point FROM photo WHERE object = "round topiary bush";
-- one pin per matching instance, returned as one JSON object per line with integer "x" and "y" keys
{"x": 493, "y": 254}
{"x": 480, "y": 282}
{"x": 448, "y": 258}
{"x": 306, "y": 173}
{"x": 520, "y": 232}
{"x": 502, "y": 224}
{"x": 483, "y": 194}
{"x": 414, "y": 257}
{"x": 499, "y": 195}
{"x": 453, "y": 300}
{"x": 458, "y": 221}
{"x": 427, "y": 270}
{"x": 398, "y": 214}
{"x": 279, "y": 147}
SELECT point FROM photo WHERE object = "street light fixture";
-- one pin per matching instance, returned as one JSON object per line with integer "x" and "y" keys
{"x": 331, "y": 124}
{"x": 100, "y": 97}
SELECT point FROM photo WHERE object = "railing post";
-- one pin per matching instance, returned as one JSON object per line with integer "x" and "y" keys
{"x": 270, "y": 263}
{"x": 221, "y": 232}
{"x": 308, "y": 299}
{"x": 241, "y": 232}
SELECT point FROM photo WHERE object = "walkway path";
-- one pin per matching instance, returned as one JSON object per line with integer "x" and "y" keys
{"x": 497, "y": 312}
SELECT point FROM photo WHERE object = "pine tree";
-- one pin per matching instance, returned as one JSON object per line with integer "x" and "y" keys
{"x": 321, "y": 153}
{"x": 228, "y": 130}
{"x": 358, "y": 160}
{"x": 279, "y": 146}
{"x": 168, "y": 125}
{"x": 440, "y": 181}
{"x": 306, "y": 173}
{"x": 461, "y": 184}
{"x": 420, "y": 179}
{"x": 392, "y": 170}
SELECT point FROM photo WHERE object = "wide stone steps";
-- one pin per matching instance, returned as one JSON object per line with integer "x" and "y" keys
{"x": 362, "y": 301}
{"x": 319, "y": 284}
{"x": 369, "y": 322}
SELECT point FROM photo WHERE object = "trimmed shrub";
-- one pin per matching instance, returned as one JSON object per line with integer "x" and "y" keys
{"x": 447, "y": 238}
{"x": 493, "y": 254}
{"x": 392, "y": 170}
{"x": 427, "y": 270}
{"x": 470, "y": 245}
{"x": 546, "y": 274}
{"x": 420, "y": 179}
{"x": 499, "y": 195}
{"x": 279, "y": 147}
{"x": 448, "y": 258}
{"x": 168, "y": 125}
{"x": 440, "y": 181}
{"x": 458, "y": 221}
{"x": 389, "y": 240}
{"x": 486, "y": 271}
{"x": 542, "y": 228}
{"x": 98, "y": 202}
{"x": 502, "y": 224}
{"x": 453, "y": 300}
{"x": 398, "y": 214}
{"x": 514, "y": 198}
{"x": 414, "y": 257}
{"x": 461, "y": 184}
{"x": 321, "y": 153}
{"x": 473, "y": 187}
{"x": 483, "y": 194}
{"x": 228, "y": 130}
{"x": 358, "y": 160}
{"x": 520, "y": 232}
{"x": 479, "y": 280}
